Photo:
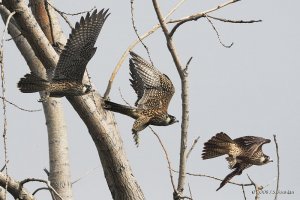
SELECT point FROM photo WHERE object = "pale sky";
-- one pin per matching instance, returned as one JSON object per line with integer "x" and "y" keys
{"x": 249, "y": 89}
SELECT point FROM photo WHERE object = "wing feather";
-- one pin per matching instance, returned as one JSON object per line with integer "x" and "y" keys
{"x": 80, "y": 47}
{"x": 251, "y": 144}
{"x": 154, "y": 89}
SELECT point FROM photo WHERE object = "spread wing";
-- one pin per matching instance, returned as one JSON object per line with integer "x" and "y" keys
{"x": 80, "y": 47}
{"x": 251, "y": 144}
{"x": 154, "y": 89}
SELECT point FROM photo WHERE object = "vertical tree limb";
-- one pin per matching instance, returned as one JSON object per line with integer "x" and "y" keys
{"x": 185, "y": 102}
{"x": 278, "y": 171}
{"x": 60, "y": 173}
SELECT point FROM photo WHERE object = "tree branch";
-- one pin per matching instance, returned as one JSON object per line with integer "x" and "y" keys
{"x": 167, "y": 158}
{"x": 278, "y": 171}
{"x": 15, "y": 188}
{"x": 218, "y": 35}
{"x": 19, "y": 107}
{"x": 27, "y": 180}
{"x": 197, "y": 16}
{"x": 192, "y": 147}
{"x": 185, "y": 102}
{"x": 3, "y": 89}
{"x": 257, "y": 188}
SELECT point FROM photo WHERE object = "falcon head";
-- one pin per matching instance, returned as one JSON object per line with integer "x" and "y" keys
{"x": 265, "y": 159}
{"x": 171, "y": 119}
{"x": 87, "y": 89}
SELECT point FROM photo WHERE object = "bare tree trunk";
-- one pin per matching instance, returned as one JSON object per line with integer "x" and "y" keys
{"x": 185, "y": 102}
{"x": 60, "y": 174}
{"x": 59, "y": 177}
{"x": 101, "y": 125}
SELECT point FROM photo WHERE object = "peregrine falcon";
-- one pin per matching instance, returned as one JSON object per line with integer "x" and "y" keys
{"x": 242, "y": 152}
{"x": 154, "y": 91}
{"x": 66, "y": 78}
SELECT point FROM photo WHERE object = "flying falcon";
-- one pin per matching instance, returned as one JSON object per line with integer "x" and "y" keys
{"x": 66, "y": 78}
{"x": 242, "y": 152}
{"x": 154, "y": 91}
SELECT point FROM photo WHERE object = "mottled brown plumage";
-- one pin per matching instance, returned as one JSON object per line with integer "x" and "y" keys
{"x": 242, "y": 152}
{"x": 66, "y": 78}
{"x": 154, "y": 91}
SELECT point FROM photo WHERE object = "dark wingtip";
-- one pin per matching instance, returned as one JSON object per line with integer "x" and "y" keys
{"x": 132, "y": 53}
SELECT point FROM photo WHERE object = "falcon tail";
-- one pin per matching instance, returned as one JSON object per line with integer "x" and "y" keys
{"x": 32, "y": 83}
{"x": 125, "y": 110}
{"x": 218, "y": 145}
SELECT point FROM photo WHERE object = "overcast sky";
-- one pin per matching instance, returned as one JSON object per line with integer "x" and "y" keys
{"x": 249, "y": 89}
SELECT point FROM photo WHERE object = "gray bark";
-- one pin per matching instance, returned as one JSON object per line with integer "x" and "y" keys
{"x": 101, "y": 124}
{"x": 60, "y": 174}
{"x": 59, "y": 177}
{"x": 14, "y": 188}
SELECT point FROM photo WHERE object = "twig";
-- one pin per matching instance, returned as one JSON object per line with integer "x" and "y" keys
{"x": 131, "y": 46}
{"x": 257, "y": 188}
{"x": 197, "y": 16}
{"x": 136, "y": 31}
{"x": 234, "y": 21}
{"x": 167, "y": 157}
{"x": 12, "y": 38}
{"x": 192, "y": 147}
{"x": 87, "y": 173}
{"x": 185, "y": 70}
{"x": 244, "y": 194}
{"x": 27, "y": 180}
{"x": 218, "y": 35}
{"x": 215, "y": 178}
{"x": 190, "y": 191}
{"x": 39, "y": 189}
{"x": 63, "y": 14}
{"x": 278, "y": 172}
{"x": 3, "y": 168}
{"x": 20, "y": 108}
{"x": 123, "y": 98}
{"x": 4, "y": 135}
{"x": 72, "y": 14}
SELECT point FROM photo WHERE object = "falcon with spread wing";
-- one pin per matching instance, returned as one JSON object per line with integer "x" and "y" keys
{"x": 66, "y": 78}
{"x": 242, "y": 152}
{"x": 154, "y": 91}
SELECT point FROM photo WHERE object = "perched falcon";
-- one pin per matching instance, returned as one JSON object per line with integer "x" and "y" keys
{"x": 66, "y": 78}
{"x": 154, "y": 91}
{"x": 242, "y": 152}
